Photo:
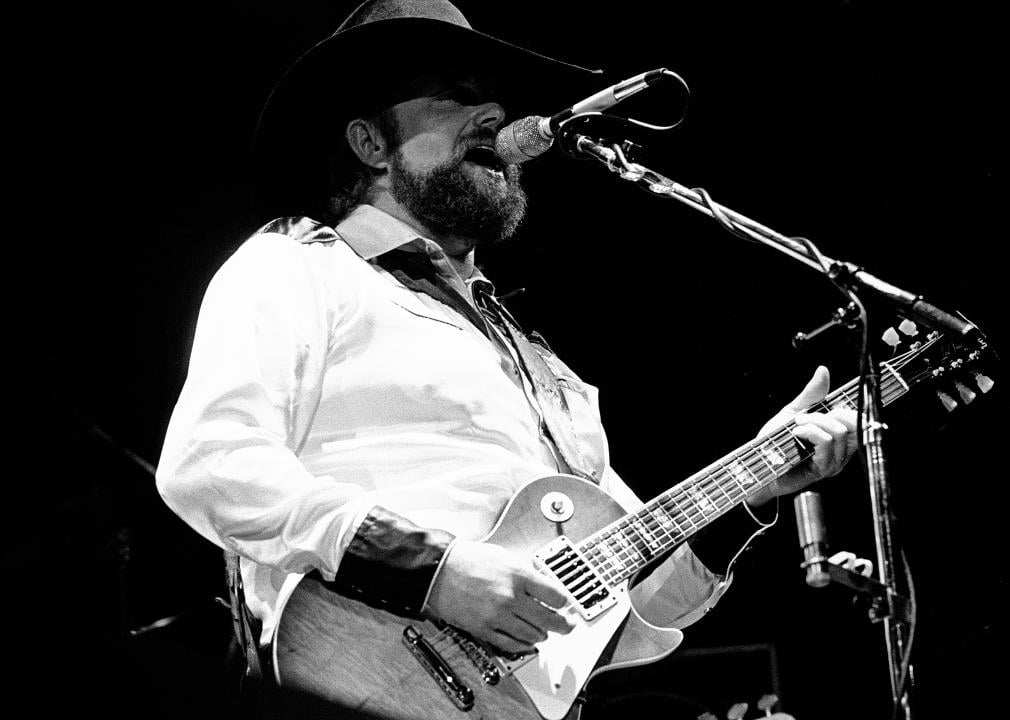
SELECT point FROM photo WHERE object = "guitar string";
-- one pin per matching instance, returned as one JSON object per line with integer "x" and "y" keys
{"x": 644, "y": 550}
{"x": 733, "y": 491}
{"x": 892, "y": 391}
{"x": 719, "y": 478}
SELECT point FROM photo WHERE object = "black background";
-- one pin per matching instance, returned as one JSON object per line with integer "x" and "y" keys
{"x": 878, "y": 132}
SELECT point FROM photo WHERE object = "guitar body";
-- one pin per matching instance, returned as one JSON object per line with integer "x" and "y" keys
{"x": 354, "y": 656}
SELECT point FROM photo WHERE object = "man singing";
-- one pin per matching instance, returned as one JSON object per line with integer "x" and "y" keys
{"x": 360, "y": 407}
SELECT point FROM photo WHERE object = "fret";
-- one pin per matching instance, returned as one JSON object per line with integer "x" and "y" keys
{"x": 666, "y": 522}
{"x": 643, "y": 530}
{"x": 846, "y": 402}
{"x": 790, "y": 453}
{"x": 684, "y": 514}
{"x": 729, "y": 500}
{"x": 771, "y": 457}
{"x": 612, "y": 556}
{"x": 732, "y": 476}
{"x": 655, "y": 526}
{"x": 821, "y": 407}
{"x": 642, "y": 543}
{"x": 628, "y": 546}
{"x": 594, "y": 556}
{"x": 742, "y": 474}
{"x": 703, "y": 501}
{"x": 631, "y": 532}
{"x": 733, "y": 491}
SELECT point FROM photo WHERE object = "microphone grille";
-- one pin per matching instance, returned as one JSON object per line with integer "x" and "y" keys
{"x": 522, "y": 140}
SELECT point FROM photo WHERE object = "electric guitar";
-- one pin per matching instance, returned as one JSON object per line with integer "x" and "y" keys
{"x": 377, "y": 664}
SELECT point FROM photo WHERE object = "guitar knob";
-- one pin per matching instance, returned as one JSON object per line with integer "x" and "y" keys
{"x": 984, "y": 382}
{"x": 557, "y": 507}
{"x": 891, "y": 337}
{"x": 965, "y": 392}
{"x": 949, "y": 403}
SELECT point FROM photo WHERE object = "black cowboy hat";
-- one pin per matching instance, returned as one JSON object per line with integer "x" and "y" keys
{"x": 364, "y": 66}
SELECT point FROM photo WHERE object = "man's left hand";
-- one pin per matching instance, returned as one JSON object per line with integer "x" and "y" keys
{"x": 831, "y": 435}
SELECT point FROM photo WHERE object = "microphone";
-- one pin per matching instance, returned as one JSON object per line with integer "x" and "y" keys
{"x": 813, "y": 538}
{"x": 532, "y": 136}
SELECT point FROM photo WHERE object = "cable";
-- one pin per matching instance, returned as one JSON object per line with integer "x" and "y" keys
{"x": 907, "y": 655}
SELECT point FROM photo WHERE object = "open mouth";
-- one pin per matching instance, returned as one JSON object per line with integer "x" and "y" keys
{"x": 487, "y": 158}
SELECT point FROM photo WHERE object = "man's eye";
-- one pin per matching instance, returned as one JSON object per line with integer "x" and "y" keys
{"x": 462, "y": 96}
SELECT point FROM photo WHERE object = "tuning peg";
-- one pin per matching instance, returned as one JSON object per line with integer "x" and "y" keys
{"x": 767, "y": 702}
{"x": 984, "y": 382}
{"x": 909, "y": 328}
{"x": 891, "y": 337}
{"x": 965, "y": 392}
{"x": 737, "y": 711}
{"x": 948, "y": 402}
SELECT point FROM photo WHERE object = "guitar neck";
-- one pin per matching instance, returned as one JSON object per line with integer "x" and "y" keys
{"x": 628, "y": 545}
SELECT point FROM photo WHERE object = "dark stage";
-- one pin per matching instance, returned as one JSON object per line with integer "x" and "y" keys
{"x": 879, "y": 133}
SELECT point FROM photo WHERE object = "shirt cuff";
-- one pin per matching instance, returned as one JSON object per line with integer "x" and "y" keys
{"x": 391, "y": 562}
{"x": 718, "y": 545}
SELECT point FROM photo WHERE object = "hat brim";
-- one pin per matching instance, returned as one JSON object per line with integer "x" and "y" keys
{"x": 356, "y": 71}
{"x": 353, "y": 66}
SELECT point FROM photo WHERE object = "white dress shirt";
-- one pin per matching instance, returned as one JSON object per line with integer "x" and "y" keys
{"x": 319, "y": 386}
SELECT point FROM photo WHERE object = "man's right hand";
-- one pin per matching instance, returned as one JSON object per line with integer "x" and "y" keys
{"x": 492, "y": 594}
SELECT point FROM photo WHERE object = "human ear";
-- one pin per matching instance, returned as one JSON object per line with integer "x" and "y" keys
{"x": 367, "y": 143}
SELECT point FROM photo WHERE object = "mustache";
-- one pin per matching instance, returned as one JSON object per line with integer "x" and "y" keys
{"x": 482, "y": 137}
{"x": 485, "y": 137}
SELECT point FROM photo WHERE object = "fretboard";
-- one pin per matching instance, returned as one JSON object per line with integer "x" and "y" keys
{"x": 627, "y": 545}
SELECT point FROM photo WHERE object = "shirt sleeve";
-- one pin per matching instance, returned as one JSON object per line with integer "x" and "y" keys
{"x": 229, "y": 464}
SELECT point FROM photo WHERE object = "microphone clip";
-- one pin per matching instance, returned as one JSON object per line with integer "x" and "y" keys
{"x": 598, "y": 129}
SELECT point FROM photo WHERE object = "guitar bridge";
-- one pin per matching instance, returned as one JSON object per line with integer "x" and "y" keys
{"x": 591, "y": 593}
{"x": 421, "y": 649}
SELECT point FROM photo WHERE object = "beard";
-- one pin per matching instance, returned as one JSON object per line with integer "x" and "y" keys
{"x": 449, "y": 200}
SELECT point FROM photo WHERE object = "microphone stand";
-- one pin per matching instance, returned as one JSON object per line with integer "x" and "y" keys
{"x": 898, "y": 622}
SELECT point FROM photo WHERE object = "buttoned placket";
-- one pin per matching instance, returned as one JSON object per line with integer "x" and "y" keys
{"x": 547, "y": 390}
{"x": 460, "y": 296}
{"x": 504, "y": 345}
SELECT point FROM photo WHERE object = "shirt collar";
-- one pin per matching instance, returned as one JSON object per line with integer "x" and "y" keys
{"x": 371, "y": 232}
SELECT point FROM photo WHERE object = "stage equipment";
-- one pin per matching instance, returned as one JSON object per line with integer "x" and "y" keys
{"x": 605, "y": 138}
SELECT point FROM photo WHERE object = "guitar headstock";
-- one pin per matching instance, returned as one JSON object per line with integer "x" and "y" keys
{"x": 958, "y": 369}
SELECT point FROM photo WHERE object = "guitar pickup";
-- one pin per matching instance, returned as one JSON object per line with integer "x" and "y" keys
{"x": 584, "y": 583}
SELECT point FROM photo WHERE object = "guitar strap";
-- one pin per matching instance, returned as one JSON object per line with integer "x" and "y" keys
{"x": 416, "y": 271}
{"x": 554, "y": 409}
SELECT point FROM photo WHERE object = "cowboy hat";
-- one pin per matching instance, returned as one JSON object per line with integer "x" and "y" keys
{"x": 366, "y": 63}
